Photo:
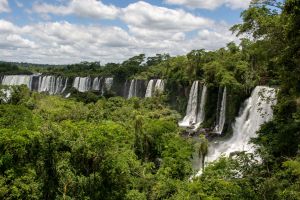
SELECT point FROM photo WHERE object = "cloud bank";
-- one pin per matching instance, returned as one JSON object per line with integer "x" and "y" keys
{"x": 148, "y": 29}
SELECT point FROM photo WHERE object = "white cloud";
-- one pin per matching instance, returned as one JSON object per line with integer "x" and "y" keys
{"x": 139, "y": 15}
{"x": 211, "y": 4}
{"x": 86, "y": 8}
{"x": 4, "y": 7}
{"x": 7, "y": 27}
{"x": 153, "y": 23}
{"x": 151, "y": 29}
{"x": 63, "y": 42}
{"x": 145, "y": 15}
{"x": 13, "y": 41}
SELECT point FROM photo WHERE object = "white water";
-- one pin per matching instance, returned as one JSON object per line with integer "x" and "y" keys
{"x": 159, "y": 86}
{"x": 108, "y": 82}
{"x": 132, "y": 89}
{"x": 82, "y": 84}
{"x": 65, "y": 86}
{"x": 195, "y": 112}
{"x": 152, "y": 87}
{"x": 52, "y": 84}
{"x": 17, "y": 80}
{"x": 201, "y": 109}
{"x": 96, "y": 84}
{"x": 258, "y": 110}
{"x": 149, "y": 88}
{"x": 191, "y": 111}
{"x": 222, "y": 115}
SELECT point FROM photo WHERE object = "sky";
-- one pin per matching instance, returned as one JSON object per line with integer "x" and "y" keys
{"x": 71, "y": 31}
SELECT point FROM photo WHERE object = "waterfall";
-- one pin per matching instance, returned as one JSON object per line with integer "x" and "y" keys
{"x": 52, "y": 85}
{"x": 191, "y": 111}
{"x": 65, "y": 85}
{"x": 154, "y": 86}
{"x": 96, "y": 84}
{"x": 46, "y": 84}
{"x": 49, "y": 84}
{"x": 82, "y": 84}
{"x": 222, "y": 114}
{"x": 201, "y": 109}
{"x": 132, "y": 89}
{"x": 17, "y": 80}
{"x": 159, "y": 86}
{"x": 149, "y": 88}
{"x": 108, "y": 82}
{"x": 258, "y": 110}
{"x": 76, "y": 83}
{"x": 195, "y": 112}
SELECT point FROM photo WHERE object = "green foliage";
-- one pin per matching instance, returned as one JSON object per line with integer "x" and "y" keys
{"x": 64, "y": 149}
{"x": 8, "y": 68}
{"x": 111, "y": 148}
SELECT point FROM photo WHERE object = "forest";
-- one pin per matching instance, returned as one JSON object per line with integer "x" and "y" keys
{"x": 104, "y": 146}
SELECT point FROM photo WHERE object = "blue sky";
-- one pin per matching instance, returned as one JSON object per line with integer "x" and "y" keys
{"x": 68, "y": 31}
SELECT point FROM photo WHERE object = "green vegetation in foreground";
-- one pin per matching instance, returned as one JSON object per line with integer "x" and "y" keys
{"x": 55, "y": 148}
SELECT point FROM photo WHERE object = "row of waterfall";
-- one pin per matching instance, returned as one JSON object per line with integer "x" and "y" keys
{"x": 59, "y": 85}
{"x": 256, "y": 110}
{"x": 17, "y": 80}
{"x": 85, "y": 84}
{"x": 195, "y": 112}
{"x": 139, "y": 88}
{"x": 52, "y": 85}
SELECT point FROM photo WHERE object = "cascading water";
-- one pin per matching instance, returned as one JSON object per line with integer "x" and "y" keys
{"x": 195, "y": 112}
{"x": 82, "y": 84}
{"x": 52, "y": 85}
{"x": 201, "y": 109}
{"x": 191, "y": 111}
{"x": 132, "y": 89}
{"x": 17, "y": 80}
{"x": 65, "y": 85}
{"x": 58, "y": 85}
{"x": 96, "y": 84}
{"x": 149, "y": 89}
{"x": 222, "y": 114}
{"x": 159, "y": 86}
{"x": 154, "y": 86}
{"x": 258, "y": 110}
{"x": 108, "y": 82}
